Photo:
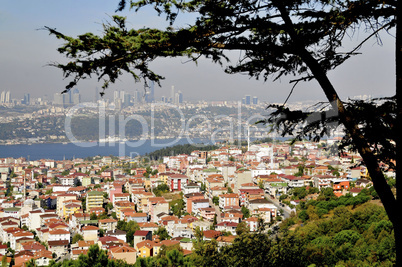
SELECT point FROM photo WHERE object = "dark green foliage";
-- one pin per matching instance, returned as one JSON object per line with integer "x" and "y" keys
{"x": 162, "y": 233}
{"x": 215, "y": 200}
{"x": 76, "y": 238}
{"x": 161, "y": 188}
{"x": 245, "y": 211}
{"x": 359, "y": 237}
{"x": 177, "y": 206}
{"x": 130, "y": 228}
{"x": 95, "y": 258}
{"x": 299, "y": 193}
{"x": 179, "y": 149}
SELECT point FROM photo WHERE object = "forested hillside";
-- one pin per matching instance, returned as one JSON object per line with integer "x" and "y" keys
{"x": 351, "y": 231}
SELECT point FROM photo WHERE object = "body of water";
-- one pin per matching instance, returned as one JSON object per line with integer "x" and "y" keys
{"x": 59, "y": 151}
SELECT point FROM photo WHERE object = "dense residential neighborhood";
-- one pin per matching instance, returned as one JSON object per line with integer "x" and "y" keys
{"x": 136, "y": 207}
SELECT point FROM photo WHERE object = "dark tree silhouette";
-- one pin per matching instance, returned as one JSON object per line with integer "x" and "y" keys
{"x": 295, "y": 37}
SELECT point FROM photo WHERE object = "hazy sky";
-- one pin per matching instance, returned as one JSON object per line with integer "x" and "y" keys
{"x": 25, "y": 51}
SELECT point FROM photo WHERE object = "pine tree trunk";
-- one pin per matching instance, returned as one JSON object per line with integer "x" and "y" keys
{"x": 398, "y": 74}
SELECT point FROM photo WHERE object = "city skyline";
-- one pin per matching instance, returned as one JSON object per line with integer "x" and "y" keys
{"x": 27, "y": 51}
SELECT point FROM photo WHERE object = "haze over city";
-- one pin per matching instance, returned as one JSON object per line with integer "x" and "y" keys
{"x": 26, "y": 51}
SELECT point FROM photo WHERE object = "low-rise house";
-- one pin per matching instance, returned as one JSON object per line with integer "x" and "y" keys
{"x": 145, "y": 248}
{"x": 157, "y": 205}
{"x": 59, "y": 234}
{"x": 363, "y": 183}
{"x": 148, "y": 226}
{"x": 228, "y": 200}
{"x": 33, "y": 221}
{"x": 265, "y": 213}
{"x": 199, "y": 204}
{"x": 257, "y": 204}
{"x": 59, "y": 247}
{"x": 227, "y": 227}
{"x": 211, "y": 234}
{"x": 252, "y": 223}
{"x": 246, "y": 195}
{"x": 176, "y": 182}
{"x": 188, "y": 200}
{"x": 17, "y": 238}
{"x": 232, "y": 216}
{"x": 120, "y": 205}
{"x": 90, "y": 233}
{"x": 124, "y": 253}
{"x": 81, "y": 244}
{"x": 70, "y": 207}
{"x": 21, "y": 260}
{"x": 207, "y": 213}
{"x": 355, "y": 191}
{"x": 12, "y": 212}
{"x": 76, "y": 219}
{"x": 120, "y": 197}
{"x": 225, "y": 240}
{"x": 108, "y": 224}
{"x": 60, "y": 200}
{"x": 43, "y": 257}
{"x": 135, "y": 216}
{"x": 191, "y": 188}
{"x": 340, "y": 187}
{"x": 97, "y": 210}
{"x": 119, "y": 234}
{"x": 293, "y": 181}
{"x": 107, "y": 242}
{"x": 141, "y": 235}
{"x": 75, "y": 253}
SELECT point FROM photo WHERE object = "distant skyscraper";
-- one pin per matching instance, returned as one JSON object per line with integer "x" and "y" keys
{"x": 172, "y": 94}
{"x": 3, "y": 97}
{"x": 255, "y": 100}
{"x": 96, "y": 96}
{"x": 27, "y": 99}
{"x": 76, "y": 97}
{"x": 122, "y": 94}
{"x": 149, "y": 96}
{"x": 59, "y": 99}
{"x": 247, "y": 99}
{"x": 116, "y": 96}
{"x": 178, "y": 98}
{"x": 69, "y": 99}
{"x": 164, "y": 99}
{"x": 127, "y": 100}
{"x": 137, "y": 97}
{"x": 8, "y": 97}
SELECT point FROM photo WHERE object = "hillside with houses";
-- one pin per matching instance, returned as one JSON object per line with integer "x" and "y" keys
{"x": 134, "y": 208}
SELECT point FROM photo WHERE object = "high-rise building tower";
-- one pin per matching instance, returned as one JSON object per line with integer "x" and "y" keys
{"x": 178, "y": 98}
{"x": 255, "y": 100}
{"x": 137, "y": 97}
{"x": 27, "y": 99}
{"x": 76, "y": 96}
{"x": 127, "y": 100}
{"x": 149, "y": 95}
{"x": 59, "y": 99}
{"x": 122, "y": 94}
{"x": 3, "y": 97}
{"x": 172, "y": 95}
{"x": 69, "y": 99}
{"x": 116, "y": 96}
{"x": 8, "y": 97}
{"x": 247, "y": 99}
{"x": 96, "y": 96}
